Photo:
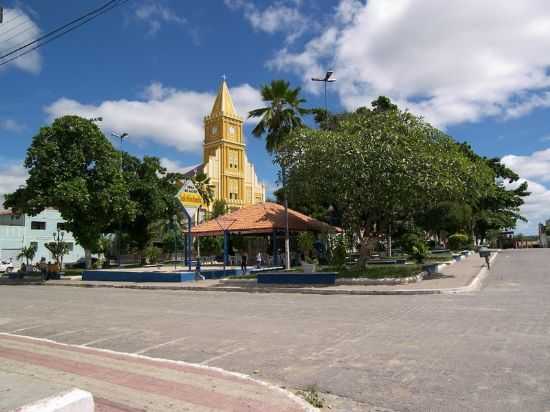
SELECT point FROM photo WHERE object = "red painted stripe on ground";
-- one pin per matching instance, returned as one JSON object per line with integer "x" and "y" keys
{"x": 178, "y": 391}
{"x": 133, "y": 359}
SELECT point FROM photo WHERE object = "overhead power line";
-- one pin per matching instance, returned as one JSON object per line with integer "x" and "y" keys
{"x": 60, "y": 31}
{"x": 19, "y": 33}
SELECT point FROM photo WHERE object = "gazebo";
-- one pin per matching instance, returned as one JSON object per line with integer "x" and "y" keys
{"x": 262, "y": 219}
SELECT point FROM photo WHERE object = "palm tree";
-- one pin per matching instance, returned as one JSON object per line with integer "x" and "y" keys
{"x": 28, "y": 253}
{"x": 204, "y": 187}
{"x": 281, "y": 116}
{"x": 277, "y": 120}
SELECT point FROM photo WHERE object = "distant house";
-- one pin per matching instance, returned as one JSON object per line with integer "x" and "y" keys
{"x": 17, "y": 232}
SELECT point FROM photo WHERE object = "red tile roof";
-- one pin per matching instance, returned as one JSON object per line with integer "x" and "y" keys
{"x": 261, "y": 218}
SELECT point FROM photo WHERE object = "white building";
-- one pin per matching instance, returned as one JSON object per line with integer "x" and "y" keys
{"x": 18, "y": 232}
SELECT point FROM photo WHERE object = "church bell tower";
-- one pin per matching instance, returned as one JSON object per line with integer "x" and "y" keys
{"x": 224, "y": 141}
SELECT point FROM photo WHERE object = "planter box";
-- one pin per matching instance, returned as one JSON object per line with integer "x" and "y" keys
{"x": 309, "y": 267}
{"x": 328, "y": 278}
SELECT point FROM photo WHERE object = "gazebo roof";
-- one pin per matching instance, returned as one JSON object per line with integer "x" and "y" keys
{"x": 261, "y": 218}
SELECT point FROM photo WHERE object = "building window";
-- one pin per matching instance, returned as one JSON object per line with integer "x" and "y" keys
{"x": 35, "y": 225}
{"x": 233, "y": 159}
{"x": 233, "y": 189}
{"x": 61, "y": 226}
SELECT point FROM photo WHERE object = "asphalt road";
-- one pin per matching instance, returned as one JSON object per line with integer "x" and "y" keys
{"x": 485, "y": 351}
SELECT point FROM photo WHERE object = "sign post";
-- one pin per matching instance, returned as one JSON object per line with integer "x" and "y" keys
{"x": 191, "y": 201}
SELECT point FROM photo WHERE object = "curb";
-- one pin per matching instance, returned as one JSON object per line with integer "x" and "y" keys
{"x": 474, "y": 286}
{"x": 74, "y": 400}
{"x": 307, "y": 407}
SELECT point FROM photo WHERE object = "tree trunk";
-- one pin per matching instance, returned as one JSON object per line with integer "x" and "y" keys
{"x": 287, "y": 232}
{"x": 88, "y": 257}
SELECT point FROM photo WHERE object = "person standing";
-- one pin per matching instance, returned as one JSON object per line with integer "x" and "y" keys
{"x": 244, "y": 262}
{"x": 259, "y": 260}
{"x": 43, "y": 268}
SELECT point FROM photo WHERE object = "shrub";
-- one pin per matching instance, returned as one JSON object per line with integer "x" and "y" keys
{"x": 408, "y": 241}
{"x": 152, "y": 254}
{"x": 419, "y": 251}
{"x": 339, "y": 252}
{"x": 306, "y": 242}
{"x": 458, "y": 241}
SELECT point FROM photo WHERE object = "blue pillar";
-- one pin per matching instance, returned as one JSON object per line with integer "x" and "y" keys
{"x": 225, "y": 250}
{"x": 274, "y": 242}
{"x": 189, "y": 243}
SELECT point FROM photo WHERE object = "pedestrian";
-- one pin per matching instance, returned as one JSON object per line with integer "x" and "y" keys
{"x": 43, "y": 268}
{"x": 198, "y": 274}
{"x": 259, "y": 260}
{"x": 244, "y": 261}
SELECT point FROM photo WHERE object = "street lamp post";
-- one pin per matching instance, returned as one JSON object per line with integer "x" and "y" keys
{"x": 121, "y": 137}
{"x": 327, "y": 79}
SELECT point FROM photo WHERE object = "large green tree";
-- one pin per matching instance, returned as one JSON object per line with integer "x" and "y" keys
{"x": 378, "y": 167}
{"x": 74, "y": 168}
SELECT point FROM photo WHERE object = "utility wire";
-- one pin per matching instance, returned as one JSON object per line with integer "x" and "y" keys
{"x": 13, "y": 27}
{"x": 19, "y": 33}
{"x": 66, "y": 27}
{"x": 81, "y": 23}
{"x": 10, "y": 20}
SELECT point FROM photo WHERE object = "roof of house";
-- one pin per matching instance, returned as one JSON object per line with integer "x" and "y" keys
{"x": 261, "y": 218}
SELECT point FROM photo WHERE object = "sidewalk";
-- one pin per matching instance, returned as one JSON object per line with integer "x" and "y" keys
{"x": 124, "y": 382}
{"x": 454, "y": 278}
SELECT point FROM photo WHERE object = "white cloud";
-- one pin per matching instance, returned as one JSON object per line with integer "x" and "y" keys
{"x": 154, "y": 14}
{"x": 452, "y": 61}
{"x": 11, "y": 125}
{"x": 536, "y": 208}
{"x": 19, "y": 28}
{"x": 12, "y": 175}
{"x": 535, "y": 169}
{"x": 165, "y": 116}
{"x": 535, "y": 166}
{"x": 174, "y": 166}
{"x": 277, "y": 17}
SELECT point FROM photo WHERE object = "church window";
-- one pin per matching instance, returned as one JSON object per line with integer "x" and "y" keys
{"x": 233, "y": 159}
{"x": 233, "y": 189}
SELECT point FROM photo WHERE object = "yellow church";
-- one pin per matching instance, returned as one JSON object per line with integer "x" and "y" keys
{"x": 225, "y": 162}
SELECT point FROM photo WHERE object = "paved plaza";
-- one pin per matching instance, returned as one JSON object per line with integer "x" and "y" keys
{"x": 485, "y": 351}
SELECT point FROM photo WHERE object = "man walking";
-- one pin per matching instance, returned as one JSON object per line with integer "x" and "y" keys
{"x": 244, "y": 262}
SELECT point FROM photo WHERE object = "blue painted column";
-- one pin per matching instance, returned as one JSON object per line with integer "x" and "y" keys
{"x": 274, "y": 242}
{"x": 189, "y": 243}
{"x": 225, "y": 250}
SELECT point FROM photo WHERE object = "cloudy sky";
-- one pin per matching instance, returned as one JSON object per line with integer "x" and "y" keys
{"x": 477, "y": 68}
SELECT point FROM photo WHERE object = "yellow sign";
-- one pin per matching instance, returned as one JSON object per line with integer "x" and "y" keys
{"x": 190, "y": 199}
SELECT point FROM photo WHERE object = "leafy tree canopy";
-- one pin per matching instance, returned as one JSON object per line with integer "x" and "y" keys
{"x": 74, "y": 168}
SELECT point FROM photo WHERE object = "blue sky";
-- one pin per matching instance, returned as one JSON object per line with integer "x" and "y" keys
{"x": 151, "y": 67}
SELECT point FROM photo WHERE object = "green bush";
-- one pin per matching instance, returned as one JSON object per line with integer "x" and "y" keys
{"x": 152, "y": 254}
{"x": 339, "y": 252}
{"x": 306, "y": 241}
{"x": 419, "y": 251}
{"x": 408, "y": 241}
{"x": 458, "y": 241}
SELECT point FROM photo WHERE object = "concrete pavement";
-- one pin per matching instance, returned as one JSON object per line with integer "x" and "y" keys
{"x": 487, "y": 351}
{"x": 123, "y": 382}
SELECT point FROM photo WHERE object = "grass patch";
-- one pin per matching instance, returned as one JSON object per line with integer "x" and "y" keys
{"x": 311, "y": 395}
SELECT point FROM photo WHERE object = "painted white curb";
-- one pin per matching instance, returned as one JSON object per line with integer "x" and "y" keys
{"x": 307, "y": 407}
{"x": 74, "y": 400}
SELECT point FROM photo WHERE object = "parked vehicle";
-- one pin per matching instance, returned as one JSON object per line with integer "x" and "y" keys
{"x": 7, "y": 266}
